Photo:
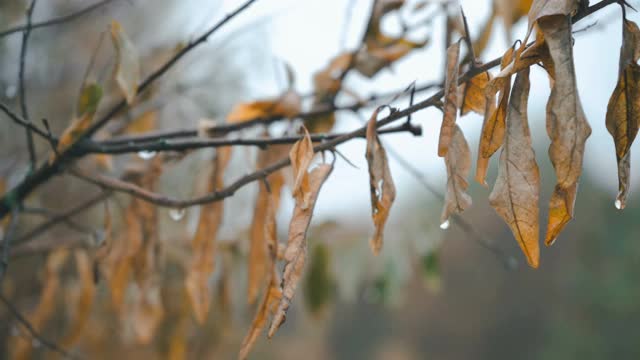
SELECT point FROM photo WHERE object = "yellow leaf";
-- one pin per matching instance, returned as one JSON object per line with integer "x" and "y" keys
{"x": 301, "y": 155}
{"x": 517, "y": 190}
{"x": 258, "y": 250}
{"x": 204, "y": 242}
{"x": 382, "y": 188}
{"x": 127, "y": 68}
{"x": 88, "y": 102}
{"x": 143, "y": 123}
{"x": 473, "y": 94}
{"x": 287, "y": 105}
{"x": 82, "y": 308}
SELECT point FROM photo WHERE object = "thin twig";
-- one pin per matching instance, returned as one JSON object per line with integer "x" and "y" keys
{"x": 223, "y": 129}
{"x": 118, "y": 185}
{"x": 51, "y": 215}
{"x": 6, "y": 242}
{"x": 55, "y": 21}
{"x": 46, "y": 171}
{"x": 21, "y": 83}
{"x": 32, "y": 331}
{"x": 22, "y": 122}
{"x": 63, "y": 217}
{"x": 192, "y": 144}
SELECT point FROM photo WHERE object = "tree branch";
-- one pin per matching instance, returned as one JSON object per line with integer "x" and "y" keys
{"x": 21, "y": 83}
{"x": 46, "y": 171}
{"x": 198, "y": 143}
{"x": 55, "y": 21}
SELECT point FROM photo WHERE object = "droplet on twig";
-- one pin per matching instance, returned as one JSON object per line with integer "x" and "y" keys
{"x": 146, "y": 155}
{"x": 177, "y": 214}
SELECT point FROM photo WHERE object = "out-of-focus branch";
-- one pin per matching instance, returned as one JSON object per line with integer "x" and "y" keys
{"x": 46, "y": 171}
{"x": 21, "y": 83}
{"x": 32, "y": 331}
{"x": 55, "y": 21}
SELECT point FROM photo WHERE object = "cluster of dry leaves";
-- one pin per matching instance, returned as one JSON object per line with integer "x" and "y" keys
{"x": 516, "y": 192}
{"x": 131, "y": 260}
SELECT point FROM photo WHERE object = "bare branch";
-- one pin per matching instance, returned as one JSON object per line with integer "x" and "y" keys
{"x": 21, "y": 84}
{"x": 165, "y": 201}
{"x": 55, "y": 21}
{"x": 46, "y": 171}
{"x": 32, "y": 331}
{"x": 192, "y": 144}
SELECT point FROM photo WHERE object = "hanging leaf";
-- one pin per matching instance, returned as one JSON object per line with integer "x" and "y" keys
{"x": 287, "y": 105}
{"x": 296, "y": 251}
{"x": 382, "y": 53}
{"x": 301, "y": 155}
{"x": 127, "y": 68}
{"x": 38, "y": 318}
{"x": 381, "y": 186}
{"x": 623, "y": 111}
{"x": 458, "y": 163}
{"x": 267, "y": 198}
{"x": 450, "y": 100}
{"x": 472, "y": 94}
{"x": 86, "y": 109}
{"x": 517, "y": 190}
{"x": 204, "y": 242}
{"x": 147, "y": 314}
{"x": 83, "y": 305}
{"x": 567, "y": 125}
{"x": 273, "y": 293}
{"x": 493, "y": 126}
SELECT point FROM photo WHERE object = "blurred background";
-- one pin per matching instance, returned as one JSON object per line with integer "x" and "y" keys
{"x": 430, "y": 294}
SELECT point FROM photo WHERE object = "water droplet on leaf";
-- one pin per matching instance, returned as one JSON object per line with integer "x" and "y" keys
{"x": 618, "y": 204}
{"x": 445, "y": 225}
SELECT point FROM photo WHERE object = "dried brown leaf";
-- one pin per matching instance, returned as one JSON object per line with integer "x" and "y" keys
{"x": 296, "y": 251}
{"x": 473, "y": 94}
{"x": 204, "y": 242}
{"x": 287, "y": 105}
{"x": 623, "y": 111}
{"x": 458, "y": 163}
{"x": 493, "y": 126}
{"x": 301, "y": 155}
{"x": 381, "y": 186}
{"x": 267, "y": 198}
{"x": 517, "y": 190}
{"x": 567, "y": 125}
{"x": 450, "y": 100}
{"x": 82, "y": 307}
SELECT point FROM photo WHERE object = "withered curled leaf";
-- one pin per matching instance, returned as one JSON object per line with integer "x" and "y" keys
{"x": 201, "y": 264}
{"x": 517, "y": 190}
{"x": 458, "y": 163}
{"x": 450, "y": 100}
{"x": 127, "y": 69}
{"x": 267, "y": 199}
{"x": 381, "y": 186}
{"x": 567, "y": 125}
{"x": 301, "y": 155}
{"x": 623, "y": 111}
{"x": 296, "y": 251}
